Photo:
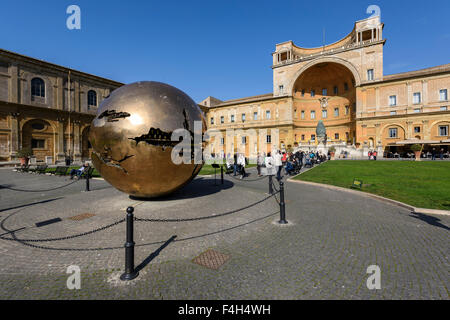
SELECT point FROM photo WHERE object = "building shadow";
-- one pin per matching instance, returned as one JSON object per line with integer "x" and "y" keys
{"x": 154, "y": 254}
{"x": 429, "y": 219}
{"x": 30, "y": 204}
{"x": 198, "y": 187}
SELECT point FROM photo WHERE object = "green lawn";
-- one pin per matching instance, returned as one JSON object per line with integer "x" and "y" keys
{"x": 421, "y": 184}
{"x": 94, "y": 173}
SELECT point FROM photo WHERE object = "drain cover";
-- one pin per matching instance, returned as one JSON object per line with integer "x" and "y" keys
{"x": 211, "y": 259}
{"x": 82, "y": 216}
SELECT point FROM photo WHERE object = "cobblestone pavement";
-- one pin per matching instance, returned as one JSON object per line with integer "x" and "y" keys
{"x": 323, "y": 253}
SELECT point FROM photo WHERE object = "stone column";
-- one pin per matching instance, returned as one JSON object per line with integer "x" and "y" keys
{"x": 60, "y": 156}
{"x": 15, "y": 134}
{"x": 76, "y": 140}
{"x": 14, "y": 85}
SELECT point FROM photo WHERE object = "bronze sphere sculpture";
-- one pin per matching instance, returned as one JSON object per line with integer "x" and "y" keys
{"x": 131, "y": 138}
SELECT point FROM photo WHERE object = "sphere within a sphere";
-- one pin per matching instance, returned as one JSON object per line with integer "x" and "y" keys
{"x": 131, "y": 138}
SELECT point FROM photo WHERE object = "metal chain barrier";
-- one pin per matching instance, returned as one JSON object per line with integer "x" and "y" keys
{"x": 247, "y": 180}
{"x": 67, "y": 237}
{"x": 23, "y": 190}
{"x": 205, "y": 217}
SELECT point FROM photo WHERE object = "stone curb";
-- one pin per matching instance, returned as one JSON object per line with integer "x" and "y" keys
{"x": 370, "y": 195}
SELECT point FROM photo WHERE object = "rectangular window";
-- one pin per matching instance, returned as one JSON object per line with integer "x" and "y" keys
{"x": 281, "y": 88}
{"x": 336, "y": 136}
{"x": 347, "y": 136}
{"x": 212, "y": 120}
{"x": 37, "y": 143}
{"x": 268, "y": 114}
{"x": 417, "y": 110}
{"x": 393, "y": 133}
{"x": 336, "y": 90}
{"x": 443, "y": 95}
{"x": 324, "y": 114}
{"x": 416, "y": 129}
{"x": 443, "y": 131}
{"x": 303, "y": 137}
{"x": 222, "y": 141}
{"x": 313, "y": 114}
{"x": 443, "y": 109}
{"x": 417, "y": 98}
{"x": 232, "y": 118}
{"x": 303, "y": 92}
{"x": 393, "y": 113}
{"x": 255, "y": 116}
{"x": 392, "y": 101}
{"x": 244, "y": 140}
{"x": 370, "y": 74}
{"x": 313, "y": 93}
{"x": 324, "y": 92}
{"x": 313, "y": 137}
{"x": 347, "y": 110}
{"x": 302, "y": 114}
{"x": 268, "y": 139}
{"x": 243, "y": 117}
{"x": 336, "y": 112}
{"x": 222, "y": 119}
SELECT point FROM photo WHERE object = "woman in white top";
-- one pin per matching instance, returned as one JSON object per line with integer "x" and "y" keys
{"x": 268, "y": 161}
{"x": 278, "y": 163}
{"x": 241, "y": 163}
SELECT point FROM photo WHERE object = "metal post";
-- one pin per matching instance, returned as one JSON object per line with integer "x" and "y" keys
{"x": 130, "y": 273}
{"x": 221, "y": 174}
{"x": 270, "y": 184}
{"x": 87, "y": 180}
{"x": 282, "y": 205}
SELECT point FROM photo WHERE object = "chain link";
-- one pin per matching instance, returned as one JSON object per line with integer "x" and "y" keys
{"x": 64, "y": 238}
{"x": 205, "y": 217}
{"x": 23, "y": 190}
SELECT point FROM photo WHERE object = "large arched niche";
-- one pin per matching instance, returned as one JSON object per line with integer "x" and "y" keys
{"x": 325, "y": 61}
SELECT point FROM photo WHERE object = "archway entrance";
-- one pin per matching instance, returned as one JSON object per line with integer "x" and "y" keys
{"x": 38, "y": 135}
{"x": 325, "y": 91}
{"x": 86, "y": 148}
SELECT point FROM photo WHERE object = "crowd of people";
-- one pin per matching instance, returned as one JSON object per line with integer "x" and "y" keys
{"x": 275, "y": 162}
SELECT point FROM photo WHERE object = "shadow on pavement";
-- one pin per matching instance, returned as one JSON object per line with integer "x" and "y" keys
{"x": 31, "y": 204}
{"x": 154, "y": 254}
{"x": 197, "y": 188}
{"x": 429, "y": 219}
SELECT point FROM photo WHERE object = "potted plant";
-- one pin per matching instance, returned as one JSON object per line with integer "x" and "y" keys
{"x": 417, "y": 148}
{"x": 24, "y": 155}
{"x": 332, "y": 151}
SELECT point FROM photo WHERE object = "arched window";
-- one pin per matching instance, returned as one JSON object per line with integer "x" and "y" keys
{"x": 92, "y": 98}
{"x": 37, "y": 87}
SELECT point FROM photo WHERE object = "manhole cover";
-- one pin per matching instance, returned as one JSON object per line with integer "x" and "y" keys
{"x": 211, "y": 259}
{"x": 82, "y": 216}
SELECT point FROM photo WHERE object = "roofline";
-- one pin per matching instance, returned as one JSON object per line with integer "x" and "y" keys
{"x": 256, "y": 99}
{"x": 57, "y": 67}
{"x": 445, "y": 68}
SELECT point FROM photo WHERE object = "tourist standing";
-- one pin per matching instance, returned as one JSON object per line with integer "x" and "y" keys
{"x": 375, "y": 155}
{"x": 268, "y": 161}
{"x": 278, "y": 164}
{"x": 259, "y": 163}
{"x": 241, "y": 163}
{"x": 235, "y": 165}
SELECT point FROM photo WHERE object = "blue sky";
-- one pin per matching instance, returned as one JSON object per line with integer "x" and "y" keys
{"x": 220, "y": 48}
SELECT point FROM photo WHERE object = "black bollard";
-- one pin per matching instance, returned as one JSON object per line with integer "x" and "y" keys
{"x": 87, "y": 181}
{"x": 130, "y": 273}
{"x": 282, "y": 205}
{"x": 270, "y": 185}
{"x": 221, "y": 174}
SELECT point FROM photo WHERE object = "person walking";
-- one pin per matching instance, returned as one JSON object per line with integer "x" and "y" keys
{"x": 235, "y": 166}
{"x": 441, "y": 154}
{"x": 241, "y": 164}
{"x": 259, "y": 163}
{"x": 375, "y": 153}
{"x": 278, "y": 164}
{"x": 433, "y": 154}
{"x": 269, "y": 161}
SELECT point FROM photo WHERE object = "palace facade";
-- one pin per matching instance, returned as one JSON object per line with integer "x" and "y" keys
{"x": 343, "y": 85}
{"x": 47, "y": 108}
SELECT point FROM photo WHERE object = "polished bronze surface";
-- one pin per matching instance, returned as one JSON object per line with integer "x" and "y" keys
{"x": 131, "y": 138}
